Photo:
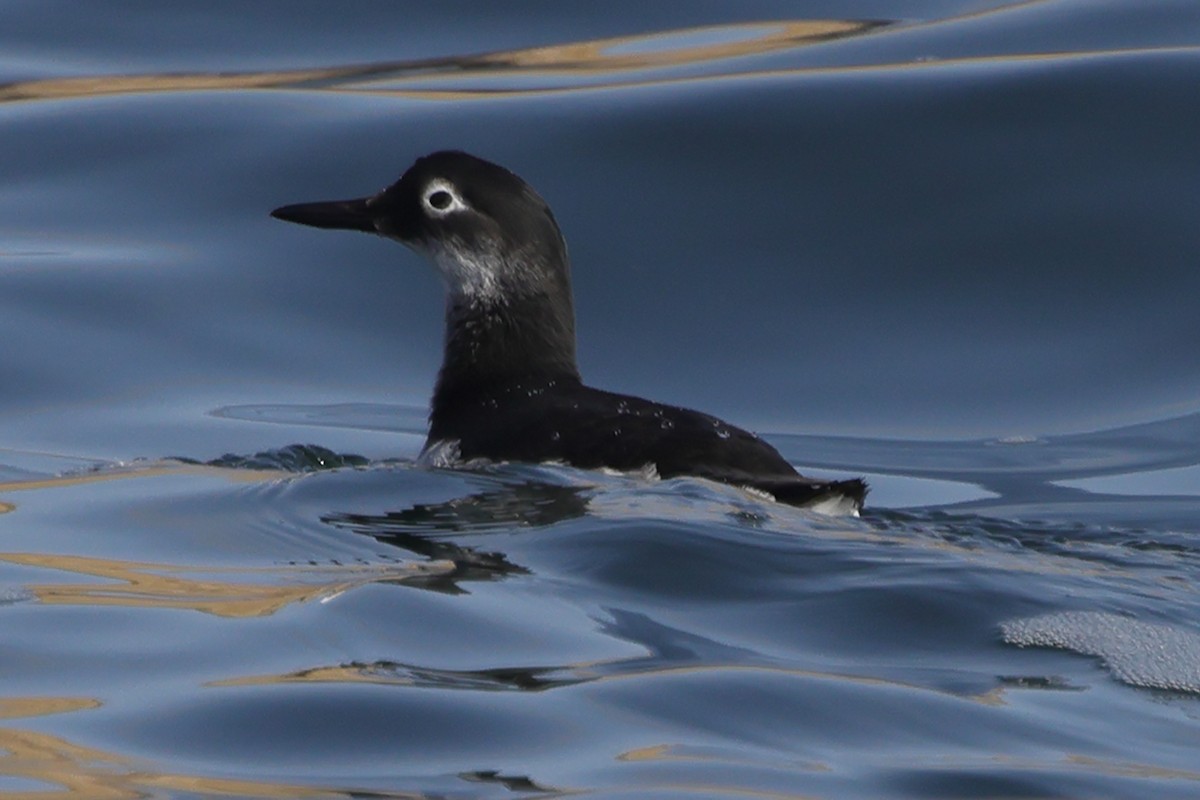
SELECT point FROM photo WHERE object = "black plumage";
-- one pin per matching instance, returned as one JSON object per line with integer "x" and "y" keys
{"x": 509, "y": 387}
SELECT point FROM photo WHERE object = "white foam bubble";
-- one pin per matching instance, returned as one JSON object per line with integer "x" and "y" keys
{"x": 1149, "y": 655}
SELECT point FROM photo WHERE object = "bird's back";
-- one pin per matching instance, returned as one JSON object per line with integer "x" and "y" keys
{"x": 561, "y": 420}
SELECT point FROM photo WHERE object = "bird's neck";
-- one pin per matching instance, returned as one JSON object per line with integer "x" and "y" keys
{"x": 519, "y": 335}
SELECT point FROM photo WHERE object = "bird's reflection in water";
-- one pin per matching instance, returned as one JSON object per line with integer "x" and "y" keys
{"x": 420, "y": 528}
{"x": 513, "y": 783}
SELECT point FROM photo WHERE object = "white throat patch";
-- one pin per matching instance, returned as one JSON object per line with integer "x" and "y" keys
{"x": 466, "y": 272}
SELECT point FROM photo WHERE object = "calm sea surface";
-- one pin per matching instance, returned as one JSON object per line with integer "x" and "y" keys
{"x": 949, "y": 245}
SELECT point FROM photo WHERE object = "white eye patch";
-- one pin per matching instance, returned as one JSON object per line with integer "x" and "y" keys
{"x": 440, "y": 198}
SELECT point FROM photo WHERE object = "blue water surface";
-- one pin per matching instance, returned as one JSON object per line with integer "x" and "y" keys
{"x": 948, "y": 245}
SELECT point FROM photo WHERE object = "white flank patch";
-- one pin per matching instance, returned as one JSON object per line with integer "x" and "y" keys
{"x": 835, "y": 505}
{"x": 762, "y": 494}
{"x": 443, "y": 454}
{"x": 646, "y": 472}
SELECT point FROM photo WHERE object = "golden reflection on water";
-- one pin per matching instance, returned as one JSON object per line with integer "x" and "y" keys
{"x": 71, "y": 771}
{"x": 710, "y": 755}
{"x": 11, "y": 707}
{"x": 596, "y": 57}
{"x": 151, "y": 470}
{"x": 68, "y": 770}
{"x": 64, "y": 770}
{"x": 224, "y": 592}
{"x": 352, "y": 673}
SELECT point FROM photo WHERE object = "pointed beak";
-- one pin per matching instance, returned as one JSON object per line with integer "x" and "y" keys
{"x": 353, "y": 215}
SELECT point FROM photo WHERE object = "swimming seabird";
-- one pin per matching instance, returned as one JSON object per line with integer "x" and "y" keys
{"x": 509, "y": 387}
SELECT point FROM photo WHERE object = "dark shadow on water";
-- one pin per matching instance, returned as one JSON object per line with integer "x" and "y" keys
{"x": 513, "y": 783}
{"x": 292, "y": 458}
{"x": 418, "y": 529}
{"x": 469, "y": 564}
{"x": 524, "y": 505}
{"x": 663, "y": 648}
{"x": 497, "y": 679}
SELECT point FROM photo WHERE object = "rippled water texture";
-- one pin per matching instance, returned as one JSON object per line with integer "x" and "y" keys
{"x": 948, "y": 245}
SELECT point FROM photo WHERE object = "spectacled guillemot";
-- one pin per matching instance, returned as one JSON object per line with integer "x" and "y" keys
{"x": 509, "y": 388}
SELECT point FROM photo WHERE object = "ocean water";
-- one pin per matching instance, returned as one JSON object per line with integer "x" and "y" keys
{"x": 948, "y": 245}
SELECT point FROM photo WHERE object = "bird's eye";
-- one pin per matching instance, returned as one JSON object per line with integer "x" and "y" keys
{"x": 441, "y": 198}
